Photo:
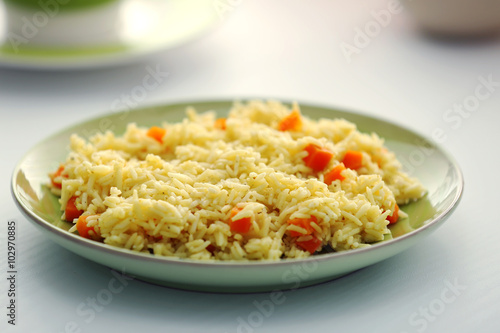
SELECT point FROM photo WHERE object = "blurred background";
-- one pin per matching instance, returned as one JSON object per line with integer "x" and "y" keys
{"x": 426, "y": 65}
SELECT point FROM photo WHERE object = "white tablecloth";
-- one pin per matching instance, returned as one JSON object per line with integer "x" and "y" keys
{"x": 324, "y": 52}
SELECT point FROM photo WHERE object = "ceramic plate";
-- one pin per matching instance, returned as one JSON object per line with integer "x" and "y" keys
{"x": 421, "y": 158}
{"x": 113, "y": 33}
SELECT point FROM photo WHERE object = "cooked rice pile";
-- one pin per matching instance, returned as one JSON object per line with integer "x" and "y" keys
{"x": 175, "y": 196}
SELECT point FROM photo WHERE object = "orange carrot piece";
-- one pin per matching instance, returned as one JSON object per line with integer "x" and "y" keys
{"x": 311, "y": 150}
{"x": 55, "y": 175}
{"x": 303, "y": 223}
{"x": 353, "y": 159}
{"x": 241, "y": 226}
{"x": 292, "y": 122}
{"x": 395, "y": 215}
{"x": 321, "y": 159}
{"x": 317, "y": 158}
{"x": 83, "y": 229}
{"x": 71, "y": 212}
{"x": 334, "y": 174}
{"x": 220, "y": 123}
{"x": 156, "y": 133}
{"x": 311, "y": 245}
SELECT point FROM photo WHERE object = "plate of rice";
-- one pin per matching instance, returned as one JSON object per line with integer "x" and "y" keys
{"x": 228, "y": 196}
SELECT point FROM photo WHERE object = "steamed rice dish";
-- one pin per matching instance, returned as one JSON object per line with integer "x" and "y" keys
{"x": 263, "y": 183}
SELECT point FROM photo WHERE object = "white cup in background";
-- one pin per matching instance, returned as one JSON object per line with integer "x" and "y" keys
{"x": 456, "y": 18}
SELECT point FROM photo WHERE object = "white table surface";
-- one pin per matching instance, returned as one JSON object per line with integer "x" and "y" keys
{"x": 291, "y": 50}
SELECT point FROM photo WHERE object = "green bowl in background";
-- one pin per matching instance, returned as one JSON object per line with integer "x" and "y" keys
{"x": 59, "y": 4}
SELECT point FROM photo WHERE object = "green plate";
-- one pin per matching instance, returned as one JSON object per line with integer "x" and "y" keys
{"x": 143, "y": 28}
{"x": 436, "y": 169}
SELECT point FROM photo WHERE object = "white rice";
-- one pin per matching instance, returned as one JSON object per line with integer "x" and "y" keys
{"x": 175, "y": 198}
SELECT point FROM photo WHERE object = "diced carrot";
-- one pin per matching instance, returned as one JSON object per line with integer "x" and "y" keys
{"x": 292, "y": 122}
{"x": 311, "y": 245}
{"x": 220, "y": 123}
{"x": 156, "y": 133}
{"x": 317, "y": 158}
{"x": 303, "y": 223}
{"x": 235, "y": 211}
{"x": 85, "y": 231}
{"x": 71, "y": 212}
{"x": 55, "y": 175}
{"x": 334, "y": 174}
{"x": 395, "y": 215}
{"x": 81, "y": 226}
{"x": 241, "y": 226}
{"x": 353, "y": 159}
{"x": 311, "y": 150}
{"x": 321, "y": 159}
